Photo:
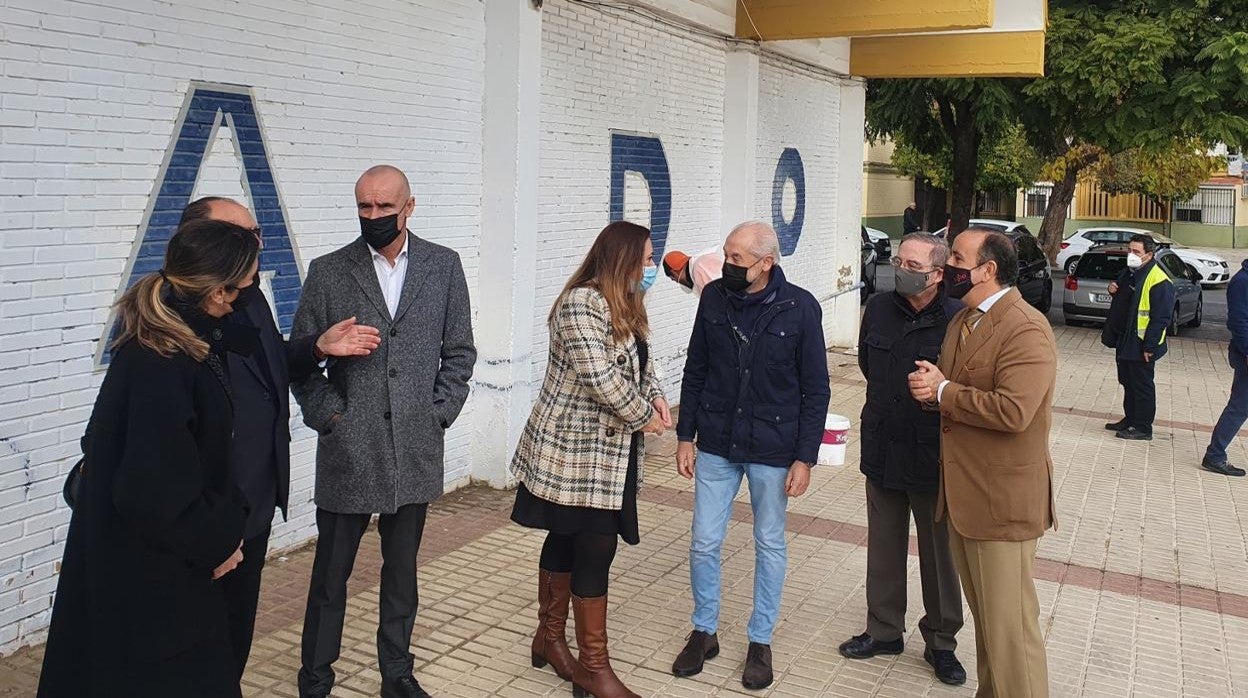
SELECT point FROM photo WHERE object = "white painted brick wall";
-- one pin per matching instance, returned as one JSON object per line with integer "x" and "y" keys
{"x": 799, "y": 108}
{"x": 605, "y": 72}
{"x": 88, "y": 96}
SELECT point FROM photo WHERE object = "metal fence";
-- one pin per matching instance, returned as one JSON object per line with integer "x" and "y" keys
{"x": 1036, "y": 200}
{"x": 1211, "y": 206}
{"x": 1093, "y": 203}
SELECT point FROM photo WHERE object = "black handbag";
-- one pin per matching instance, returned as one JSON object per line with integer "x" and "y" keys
{"x": 73, "y": 481}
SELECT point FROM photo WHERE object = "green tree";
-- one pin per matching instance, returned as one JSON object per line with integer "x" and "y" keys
{"x": 1005, "y": 162}
{"x": 1167, "y": 175}
{"x": 1134, "y": 76}
{"x": 931, "y": 115}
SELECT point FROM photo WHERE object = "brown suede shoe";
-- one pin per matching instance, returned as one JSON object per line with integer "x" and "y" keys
{"x": 699, "y": 648}
{"x": 757, "y": 672}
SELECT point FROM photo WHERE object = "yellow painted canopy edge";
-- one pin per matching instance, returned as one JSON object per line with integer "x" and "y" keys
{"x": 775, "y": 20}
{"x": 973, "y": 54}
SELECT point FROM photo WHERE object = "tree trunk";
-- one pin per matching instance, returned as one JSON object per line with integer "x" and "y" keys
{"x": 959, "y": 123}
{"x": 927, "y": 204}
{"x": 1053, "y": 227}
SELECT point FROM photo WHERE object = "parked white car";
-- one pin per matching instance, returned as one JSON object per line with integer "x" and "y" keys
{"x": 990, "y": 224}
{"x": 1213, "y": 270}
{"x": 883, "y": 245}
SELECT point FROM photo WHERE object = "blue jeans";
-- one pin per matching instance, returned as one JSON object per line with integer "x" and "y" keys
{"x": 1233, "y": 415}
{"x": 716, "y": 482}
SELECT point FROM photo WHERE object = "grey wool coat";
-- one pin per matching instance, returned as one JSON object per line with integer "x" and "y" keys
{"x": 384, "y": 449}
{"x": 574, "y": 449}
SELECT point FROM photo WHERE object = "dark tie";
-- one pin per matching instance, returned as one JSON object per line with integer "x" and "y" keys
{"x": 968, "y": 324}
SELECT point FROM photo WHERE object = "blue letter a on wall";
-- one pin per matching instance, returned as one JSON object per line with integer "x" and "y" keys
{"x": 205, "y": 109}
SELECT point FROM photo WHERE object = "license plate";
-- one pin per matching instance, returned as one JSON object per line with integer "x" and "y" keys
{"x": 1102, "y": 297}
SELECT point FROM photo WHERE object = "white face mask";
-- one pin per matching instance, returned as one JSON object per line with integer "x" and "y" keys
{"x": 1134, "y": 261}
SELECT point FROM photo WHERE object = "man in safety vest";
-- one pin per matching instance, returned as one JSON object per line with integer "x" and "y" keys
{"x": 1144, "y": 340}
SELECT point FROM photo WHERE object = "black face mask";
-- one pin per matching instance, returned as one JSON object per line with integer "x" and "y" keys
{"x": 247, "y": 296}
{"x": 379, "y": 232}
{"x": 958, "y": 280}
{"x": 736, "y": 278}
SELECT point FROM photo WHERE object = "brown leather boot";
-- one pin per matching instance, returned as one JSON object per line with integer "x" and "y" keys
{"x": 550, "y": 644}
{"x": 592, "y": 675}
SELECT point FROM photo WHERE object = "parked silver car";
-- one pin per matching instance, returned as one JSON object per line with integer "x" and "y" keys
{"x": 1086, "y": 297}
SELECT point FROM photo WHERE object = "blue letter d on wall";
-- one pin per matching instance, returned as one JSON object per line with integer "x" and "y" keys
{"x": 643, "y": 155}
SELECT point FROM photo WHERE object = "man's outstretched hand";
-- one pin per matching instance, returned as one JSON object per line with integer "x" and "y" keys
{"x": 347, "y": 338}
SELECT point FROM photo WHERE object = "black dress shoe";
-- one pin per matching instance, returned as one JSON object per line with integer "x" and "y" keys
{"x": 403, "y": 687}
{"x": 865, "y": 647}
{"x": 1133, "y": 434}
{"x": 757, "y": 674}
{"x": 1222, "y": 468}
{"x": 948, "y": 669}
{"x": 699, "y": 648}
{"x": 1116, "y": 426}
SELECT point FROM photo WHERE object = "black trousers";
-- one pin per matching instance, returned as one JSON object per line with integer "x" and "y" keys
{"x": 587, "y": 556}
{"x": 1139, "y": 393}
{"x": 336, "y": 545}
{"x": 888, "y": 545}
{"x": 242, "y": 593}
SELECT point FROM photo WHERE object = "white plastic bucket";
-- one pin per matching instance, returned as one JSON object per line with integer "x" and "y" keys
{"x": 835, "y": 437}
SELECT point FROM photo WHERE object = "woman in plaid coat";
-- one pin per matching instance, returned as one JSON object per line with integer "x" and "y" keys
{"x": 579, "y": 459}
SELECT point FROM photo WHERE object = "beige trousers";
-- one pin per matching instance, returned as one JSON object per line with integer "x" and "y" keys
{"x": 1009, "y": 648}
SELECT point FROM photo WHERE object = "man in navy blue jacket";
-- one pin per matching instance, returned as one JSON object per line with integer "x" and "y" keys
{"x": 1237, "y": 406}
{"x": 755, "y": 397}
{"x": 1144, "y": 340}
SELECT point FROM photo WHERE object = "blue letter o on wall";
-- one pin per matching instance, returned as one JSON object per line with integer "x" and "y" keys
{"x": 789, "y": 232}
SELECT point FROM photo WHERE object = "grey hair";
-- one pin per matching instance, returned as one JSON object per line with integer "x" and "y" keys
{"x": 940, "y": 247}
{"x": 764, "y": 241}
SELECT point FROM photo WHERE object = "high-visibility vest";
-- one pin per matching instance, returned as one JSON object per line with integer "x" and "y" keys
{"x": 1143, "y": 315}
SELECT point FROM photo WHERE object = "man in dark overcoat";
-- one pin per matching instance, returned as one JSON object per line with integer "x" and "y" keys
{"x": 901, "y": 462}
{"x": 382, "y": 419}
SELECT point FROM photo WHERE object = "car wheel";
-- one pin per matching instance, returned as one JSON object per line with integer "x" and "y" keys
{"x": 1046, "y": 300}
{"x": 1200, "y": 313}
{"x": 1173, "y": 329}
{"x": 1070, "y": 265}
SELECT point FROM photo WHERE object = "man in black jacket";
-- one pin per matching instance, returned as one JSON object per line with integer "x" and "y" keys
{"x": 260, "y": 387}
{"x": 911, "y": 221}
{"x": 1144, "y": 340}
{"x": 755, "y": 398}
{"x": 901, "y": 461}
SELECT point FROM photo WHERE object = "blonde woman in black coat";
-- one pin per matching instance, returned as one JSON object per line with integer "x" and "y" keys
{"x": 158, "y": 518}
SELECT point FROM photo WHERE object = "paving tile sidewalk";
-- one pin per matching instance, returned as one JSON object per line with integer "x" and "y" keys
{"x": 1143, "y": 588}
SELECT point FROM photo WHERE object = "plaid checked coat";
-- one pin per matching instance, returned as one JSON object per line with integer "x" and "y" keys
{"x": 574, "y": 449}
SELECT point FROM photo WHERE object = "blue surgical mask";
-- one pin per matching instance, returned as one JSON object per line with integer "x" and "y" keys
{"x": 648, "y": 275}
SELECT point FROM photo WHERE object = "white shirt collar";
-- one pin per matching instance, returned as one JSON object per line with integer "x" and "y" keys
{"x": 992, "y": 300}
{"x": 377, "y": 256}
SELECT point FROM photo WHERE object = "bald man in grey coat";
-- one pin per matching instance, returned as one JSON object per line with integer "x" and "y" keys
{"x": 381, "y": 420}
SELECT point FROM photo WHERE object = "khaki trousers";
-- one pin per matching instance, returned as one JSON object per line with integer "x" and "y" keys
{"x": 997, "y": 582}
